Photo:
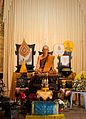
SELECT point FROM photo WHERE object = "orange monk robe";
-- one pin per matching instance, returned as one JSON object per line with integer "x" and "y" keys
{"x": 49, "y": 63}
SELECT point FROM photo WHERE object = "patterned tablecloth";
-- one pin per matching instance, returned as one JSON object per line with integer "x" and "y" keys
{"x": 44, "y": 94}
{"x": 45, "y": 107}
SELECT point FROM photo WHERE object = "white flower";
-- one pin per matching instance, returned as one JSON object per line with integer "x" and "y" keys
{"x": 60, "y": 101}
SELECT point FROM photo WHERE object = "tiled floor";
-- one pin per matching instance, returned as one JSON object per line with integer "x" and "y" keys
{"x": 75, "y": 113}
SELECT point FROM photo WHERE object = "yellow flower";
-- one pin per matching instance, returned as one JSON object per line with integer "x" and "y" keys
{"x": 68, "y": 45}
{"x": 81, "y": 75}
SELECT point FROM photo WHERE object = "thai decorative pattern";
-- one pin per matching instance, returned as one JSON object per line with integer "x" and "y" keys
{"x": 25, "y": 53}
{"x": 44, "y": 107}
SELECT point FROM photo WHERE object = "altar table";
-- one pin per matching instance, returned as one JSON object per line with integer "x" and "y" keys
{"x": 78, "y": 92}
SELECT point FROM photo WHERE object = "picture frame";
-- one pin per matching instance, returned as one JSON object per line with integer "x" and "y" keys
{"x": 65, "y": 61}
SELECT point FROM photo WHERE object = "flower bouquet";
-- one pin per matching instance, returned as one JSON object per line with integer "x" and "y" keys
{"x": 61, "y": 105}
{"x": 80, "y": 82}
{"x": 81, "y": 75}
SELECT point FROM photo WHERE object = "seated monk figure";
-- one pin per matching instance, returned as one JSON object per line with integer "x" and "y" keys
{"x": 45, "y": 62}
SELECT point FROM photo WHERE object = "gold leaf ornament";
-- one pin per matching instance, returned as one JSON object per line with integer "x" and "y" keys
{"x": 68, "y": 45}
{"x": 23, "y": 68}
{"x": 24, "y": 49}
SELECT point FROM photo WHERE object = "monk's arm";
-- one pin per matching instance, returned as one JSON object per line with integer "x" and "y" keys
{"x": 38, "y": 63}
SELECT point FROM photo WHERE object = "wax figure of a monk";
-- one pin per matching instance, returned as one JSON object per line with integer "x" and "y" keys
{"x": 45, "y": 62}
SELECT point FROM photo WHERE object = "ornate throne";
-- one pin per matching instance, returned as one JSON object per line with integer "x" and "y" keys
{"x": 25, "y": 52}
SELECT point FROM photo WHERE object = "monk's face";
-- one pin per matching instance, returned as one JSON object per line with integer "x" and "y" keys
{"x": 45, "y": 50}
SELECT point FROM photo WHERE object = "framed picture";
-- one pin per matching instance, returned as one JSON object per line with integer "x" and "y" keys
{"x": 25, "y": 53}
{"x": 64, "y": 61}
{"x": 64, "y": 64}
